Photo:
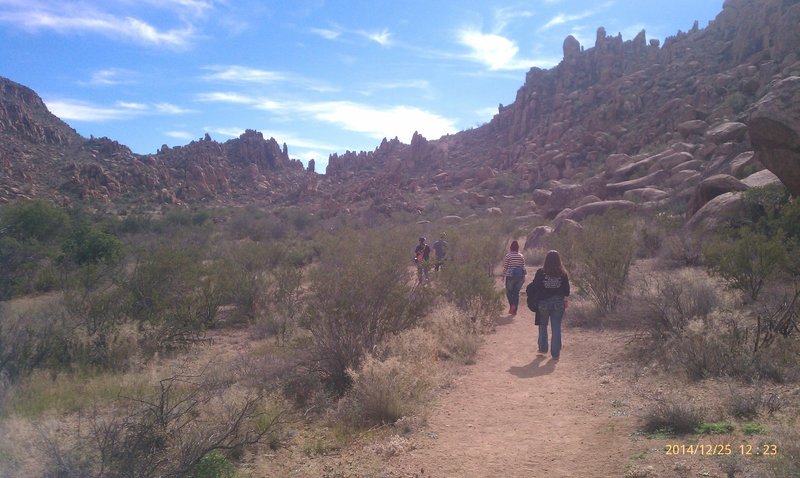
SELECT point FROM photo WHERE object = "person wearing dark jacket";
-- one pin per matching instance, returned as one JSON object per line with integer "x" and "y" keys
{"x": 551, "y": 285}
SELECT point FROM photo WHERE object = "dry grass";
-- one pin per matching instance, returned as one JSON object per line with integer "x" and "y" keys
{"x": 458, "y": 338}
{"x": 68, "y": 393}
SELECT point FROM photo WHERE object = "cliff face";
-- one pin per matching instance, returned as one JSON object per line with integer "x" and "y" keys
{"x": 630, "y": 120}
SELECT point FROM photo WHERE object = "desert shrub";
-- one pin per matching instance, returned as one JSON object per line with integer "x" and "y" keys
{"x": 166, "y": 433}
{"x": 652, "y": 232}
{"x": 599, "y": 257}
{"x": 87, "y": 244}
{"x": 714, "y": 347}
{"x": 787, "y": 463}
{"x": 676, "y": 415}
{"x": 682, "y": 249}
{"x": 35, "y": 220}
{"x": 746, "y": 262}
{"x": 360, "y": 293}
{"x": 214, "y": 465}
{"x": 456, "y": 336}
{"x": 416, "y": 345}
{"x": 672, "y": 300}
{"x": 745, "y": 403}
{"x": 466, "y": 280}
{"x": 384, "y": 391}
{"x": 39, "y": 335}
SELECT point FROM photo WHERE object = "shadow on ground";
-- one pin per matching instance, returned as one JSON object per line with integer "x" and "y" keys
{"x": 540, "y": 366}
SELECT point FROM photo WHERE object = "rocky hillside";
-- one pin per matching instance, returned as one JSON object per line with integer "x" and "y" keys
{"x": 623, "y": 124}
{"x": 630, "y": 120}
{"x": 40, "y": 156}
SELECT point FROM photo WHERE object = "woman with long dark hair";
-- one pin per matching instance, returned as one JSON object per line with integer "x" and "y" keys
{"x": 551, "y": 284}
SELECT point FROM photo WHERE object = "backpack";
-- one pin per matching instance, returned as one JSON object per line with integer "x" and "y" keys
{"x": 532, "y": 299}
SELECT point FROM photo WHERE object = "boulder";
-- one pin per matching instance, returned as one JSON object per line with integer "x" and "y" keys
{"x": 765, "y": 177}
{"x": 742, "y": 163}
{"x": 562, "y": 196}
{"x": 712, "y": 187}
{"x": 537, "y": 239}
{"x": 716, "y": 212}
{"x": 644, "y": 195}
{"x": 616, "y": 161}
{"x": 774, "y": 124}
{"x": 692, "y": 128}
{"x": 451, "y": 219}
{"x": 685, "y": 178}
{"x": 599, "y": 208}
{"x": 652, "y": 179}
{"x": 494, "y": 211}
{"x": 726, "y": 132}
{"x": 588, "y": 200}
{"x": 541, "y": 197}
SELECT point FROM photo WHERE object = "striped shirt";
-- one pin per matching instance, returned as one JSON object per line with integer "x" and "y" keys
{"x": 512, "y": 259}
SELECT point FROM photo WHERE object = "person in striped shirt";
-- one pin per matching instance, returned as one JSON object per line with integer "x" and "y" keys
{"x": 514, "y": 273}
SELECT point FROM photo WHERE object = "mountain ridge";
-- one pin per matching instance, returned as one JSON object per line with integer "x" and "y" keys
{"x": 583, "y": 125}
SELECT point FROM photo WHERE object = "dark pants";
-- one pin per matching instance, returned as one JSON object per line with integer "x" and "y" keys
{"x": 513, "y": 286}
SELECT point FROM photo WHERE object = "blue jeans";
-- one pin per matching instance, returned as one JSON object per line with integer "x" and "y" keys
{"x": 551, "y": 311}
{"x": 513, "y": 286}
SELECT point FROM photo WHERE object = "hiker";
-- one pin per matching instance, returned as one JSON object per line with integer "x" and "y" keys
{"x": 550, "y": 287}
{"x": 439, "y": 252}
{"x": 514, "y": 272}
{"x": 422, "y": 256}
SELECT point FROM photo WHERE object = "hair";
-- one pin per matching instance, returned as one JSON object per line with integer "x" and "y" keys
{"x": 553, "y": 265}
{"x": 515, "y": 246}
{"x": 421, "y": 239}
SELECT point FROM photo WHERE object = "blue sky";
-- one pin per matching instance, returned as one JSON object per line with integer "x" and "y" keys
{"x": 322, "y": 76}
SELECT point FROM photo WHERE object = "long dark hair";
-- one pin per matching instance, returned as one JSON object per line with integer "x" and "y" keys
{"x": 553, "y": 266}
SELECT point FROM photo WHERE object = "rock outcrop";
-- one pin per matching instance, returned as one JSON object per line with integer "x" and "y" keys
{"x": 774, "y": 125}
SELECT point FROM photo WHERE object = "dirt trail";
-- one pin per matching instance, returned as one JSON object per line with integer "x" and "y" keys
{"x": 516, "y": 414}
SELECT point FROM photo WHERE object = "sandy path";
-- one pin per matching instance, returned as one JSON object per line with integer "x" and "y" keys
{"x": 516, "y": 414}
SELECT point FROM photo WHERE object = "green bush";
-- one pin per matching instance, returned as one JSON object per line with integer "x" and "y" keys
{"x": 35, "y": 220}
{"x": 360, "y": 293}
{"x": 748, "y": 261}
{"x": 466, "y": 280}
{"x": 599, "y": 257}
{"x": 214, "y": 465}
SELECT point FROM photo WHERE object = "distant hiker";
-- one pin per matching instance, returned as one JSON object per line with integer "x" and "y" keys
{"x": 550, "y": 286}
{"x": 422, "y": 256}
{"x": 439, "y": 252}
{"x": 514, "y": 272}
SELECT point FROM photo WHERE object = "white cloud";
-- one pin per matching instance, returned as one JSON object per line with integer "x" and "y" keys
{"x": 182, "y": 135}
{"x": 81, "y": 111}
{"x": 326, "y": 33}
{"x": 224, "y": 97}
{"x": 504, "y": 16}
{"x": 170, "y": 109}
{"x": 495, "y": 51}
{"x": 371, "y": 88}
{"x": 400, "y": 121}
{"x": 382, "y": 37}
{"x": 238, "y": 73}
{"x": 131, "y": 106}
{"x": 563, "y": 18}
{"x": 64, "y": 17}
{"x": 111, "y": 77}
